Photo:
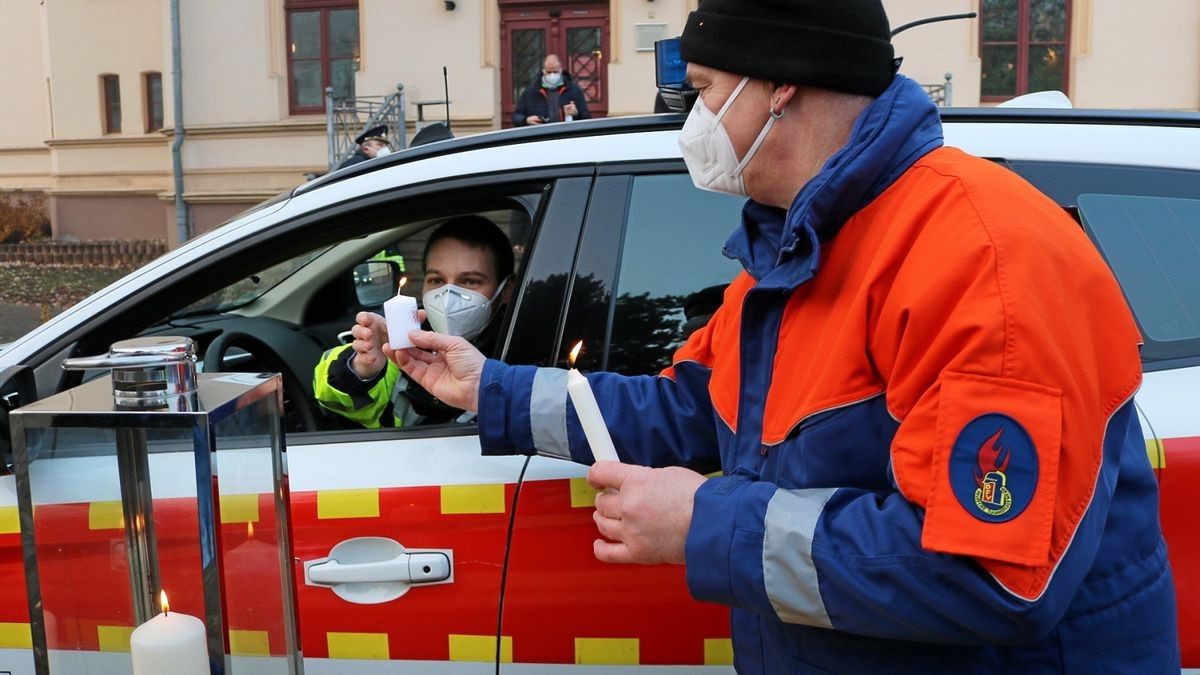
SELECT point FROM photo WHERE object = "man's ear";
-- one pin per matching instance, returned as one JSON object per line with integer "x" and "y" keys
{"x": 781, "y": 96}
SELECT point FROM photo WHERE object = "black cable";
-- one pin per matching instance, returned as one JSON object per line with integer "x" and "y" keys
{"x": 512, "y": 522}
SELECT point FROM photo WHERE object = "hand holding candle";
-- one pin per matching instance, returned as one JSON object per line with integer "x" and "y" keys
{"x": 589, "y": 412}
{"x": 170, "y": 644}
{"x": 401, "y": 315}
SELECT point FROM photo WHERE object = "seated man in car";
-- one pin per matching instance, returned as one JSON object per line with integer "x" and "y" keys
{"x": 468, "y": 264}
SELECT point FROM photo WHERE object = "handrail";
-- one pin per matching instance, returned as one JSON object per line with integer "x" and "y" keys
{"x": 346, "y": 118}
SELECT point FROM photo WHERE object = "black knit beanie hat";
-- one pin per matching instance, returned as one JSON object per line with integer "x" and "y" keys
{"x": 843, "y": 45}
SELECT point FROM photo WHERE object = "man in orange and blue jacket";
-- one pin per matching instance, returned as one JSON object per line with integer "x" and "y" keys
{"x": 919, "y": 392}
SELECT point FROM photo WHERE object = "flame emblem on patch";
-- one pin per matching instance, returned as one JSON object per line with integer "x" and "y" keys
{"x": 991, "y": 494}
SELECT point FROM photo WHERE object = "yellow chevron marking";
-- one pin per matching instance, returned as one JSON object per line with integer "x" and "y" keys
{"x": 105, "y": 516}
{"x": 249, "y": 643}
{"x": 15, "y": 636}
{"x": 1154, "y": 449}
{"x": 606, "y": 651}
{"x": 473, "y": 498}
{"x": 10, "y": 520}
{"x": 114, "y": 638}
{"x": 718, "y": 652}
{"x": 239, "y": 508}
{"x": 583, "y": 496}
{"x": 480, "y": 648}
{"x": 348, "y": 503}
{"x": 358, "y": 645}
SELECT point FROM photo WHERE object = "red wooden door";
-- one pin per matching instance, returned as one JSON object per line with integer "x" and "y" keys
{"x": 576, "y": 31}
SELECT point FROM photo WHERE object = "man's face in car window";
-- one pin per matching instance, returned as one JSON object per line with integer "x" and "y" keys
{"x": 452, "y": 261}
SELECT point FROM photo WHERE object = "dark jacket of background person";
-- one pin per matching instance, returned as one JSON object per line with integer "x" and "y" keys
{"x": 355, "y": 158}
{"x": 537, "y": 99}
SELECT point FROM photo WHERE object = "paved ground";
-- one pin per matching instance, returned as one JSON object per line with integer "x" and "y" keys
{"x": 17, "y": 320}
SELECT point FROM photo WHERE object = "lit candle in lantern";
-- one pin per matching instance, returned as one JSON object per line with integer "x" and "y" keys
{"x": 401, "y": 315}
{"x": 170, "y": 644}
{"x": 589, "y": 413}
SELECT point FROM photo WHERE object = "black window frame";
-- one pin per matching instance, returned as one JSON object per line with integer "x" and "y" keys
{"x": 323, "y": 8}
{"x": 110, "y": 103}
{"x": 152, "y": 95}
{"x": 1022, "y": 45}
{"x": 592, "y": 304}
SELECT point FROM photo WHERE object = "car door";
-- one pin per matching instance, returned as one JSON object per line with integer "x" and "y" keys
{"x": 425, "y": 488}
{"x": 647, "y": 269}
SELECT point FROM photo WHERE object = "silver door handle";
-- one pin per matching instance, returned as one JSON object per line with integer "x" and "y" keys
{"x": 371, "y": 570}
{"x": 410, "y": 567}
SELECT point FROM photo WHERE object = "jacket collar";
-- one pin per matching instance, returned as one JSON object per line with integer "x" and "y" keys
{"x": 781, "y": 249}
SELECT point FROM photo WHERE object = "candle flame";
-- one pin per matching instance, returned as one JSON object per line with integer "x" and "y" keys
{"x": 575, "y": 353}
{"x": 249, "y": 530}
{"x": 403, "y": 280}
{"x": 162, "y": 600}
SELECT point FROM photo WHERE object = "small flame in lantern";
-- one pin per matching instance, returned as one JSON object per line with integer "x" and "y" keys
{"x": 249, "y": 530}
{"x": 403, "y": 280}
{"x": 575, "y": 353}
{"x": 162, "y": 600}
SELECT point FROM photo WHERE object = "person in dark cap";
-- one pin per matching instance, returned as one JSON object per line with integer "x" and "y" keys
{"x": 919, "y": 392}
{"x": 371, "y": 143}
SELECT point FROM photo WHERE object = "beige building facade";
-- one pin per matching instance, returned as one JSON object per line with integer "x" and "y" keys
{"x": 86, "y": 100}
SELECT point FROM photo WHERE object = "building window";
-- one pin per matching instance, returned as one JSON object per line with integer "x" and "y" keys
{"x": 110, "y": 90}
{"x": 322, "y": 51}
{"x": 152, "y": 90}
{"x": 1024, "y": 47}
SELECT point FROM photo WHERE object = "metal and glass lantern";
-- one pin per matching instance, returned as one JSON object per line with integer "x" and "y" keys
{"x": 154, "y": 478}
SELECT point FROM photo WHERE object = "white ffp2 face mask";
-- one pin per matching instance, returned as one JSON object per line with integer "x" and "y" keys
{"x": 453, "y": 310}
{"x": 708, "y": 151}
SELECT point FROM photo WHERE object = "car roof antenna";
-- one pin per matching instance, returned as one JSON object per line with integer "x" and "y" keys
{"x": 934, "y": 19}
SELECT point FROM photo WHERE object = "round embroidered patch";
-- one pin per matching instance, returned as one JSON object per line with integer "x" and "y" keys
{"x": 994, "y": 468}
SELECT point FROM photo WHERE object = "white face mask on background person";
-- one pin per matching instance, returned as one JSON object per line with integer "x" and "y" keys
{"x": 552, "y": 79}
{"x": 454, "y": 310}
{"x": 385, "y": 150}
{"x": 708, "y": 151}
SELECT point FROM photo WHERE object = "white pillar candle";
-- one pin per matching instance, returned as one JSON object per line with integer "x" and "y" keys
{"x": 588, "y": 411}
{"x": 401, "y": 315}
{"x": 170, "y": 644}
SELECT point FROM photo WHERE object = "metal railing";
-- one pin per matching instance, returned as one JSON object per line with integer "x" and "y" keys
{"x": 347, "y": 118}
{"x": 942, "y": 94}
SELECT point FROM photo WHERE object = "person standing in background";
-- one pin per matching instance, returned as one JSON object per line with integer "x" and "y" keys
{"x": 553, "y": 97}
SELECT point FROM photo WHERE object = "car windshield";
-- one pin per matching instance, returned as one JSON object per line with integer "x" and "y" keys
{"x": 249, "y": 289}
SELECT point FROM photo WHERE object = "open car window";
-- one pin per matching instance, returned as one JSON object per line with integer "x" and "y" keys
{"x": 283, "y": 306}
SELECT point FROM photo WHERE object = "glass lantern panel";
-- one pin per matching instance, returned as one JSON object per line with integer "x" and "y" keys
{"x": 82, "y": 548}
{"x": 250, "y": 539}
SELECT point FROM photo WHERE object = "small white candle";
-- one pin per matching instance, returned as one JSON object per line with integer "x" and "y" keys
{"x": 401, "y": 315}
{"x": 589, "y": 413}
{"x": 170, "y": 644}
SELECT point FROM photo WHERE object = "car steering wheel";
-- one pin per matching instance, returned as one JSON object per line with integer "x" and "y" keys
{"x": 297, "y": 401}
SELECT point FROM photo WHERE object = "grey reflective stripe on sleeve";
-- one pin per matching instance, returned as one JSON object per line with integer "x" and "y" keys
{"x": 548, "y": 412}
{"x": 788, "y": 571}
